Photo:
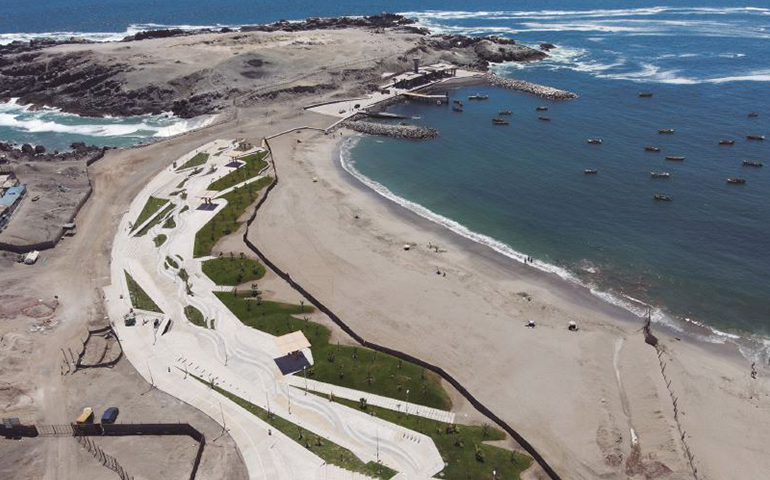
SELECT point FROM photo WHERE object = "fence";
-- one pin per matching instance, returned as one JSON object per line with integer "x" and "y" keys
{"x": 107, "y": 460}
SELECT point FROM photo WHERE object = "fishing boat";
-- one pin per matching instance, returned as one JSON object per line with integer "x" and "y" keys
{"x": 457, "y": 109}
{"x": 545, "y": 119}
{"x": 736, "y": 181}
{"x": 595, "y": 141}
{"x": 667, "y": 131}
{"x": 645, "y": 94}
{"x": 505, "y": 112}
{"x": 755, "y": 137}
{"x": 478, "y": 97}
{"x": 674, "y": 158}
{"x": 541, "y": 109}
{"x": 651, "y": 149}
{"x": 664, "y": 198}
{"x": 753, "y": 114}
{"x": 458, "y": 102}
{"x": 591, "y": 171}
{"x": 500, "y": 121}
{"x": 660, "y": 174}
{"x": 727, "y": 142}
{"x": 749, "y": 163}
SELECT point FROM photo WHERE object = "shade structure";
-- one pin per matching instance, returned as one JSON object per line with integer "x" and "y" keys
{"x": 291, "y": 342}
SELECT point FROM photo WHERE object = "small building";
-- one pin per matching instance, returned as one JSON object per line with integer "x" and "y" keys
{"x": 13, "y": 195}
{"x": 422, "y": 75}
{"x": 31, "y": 257}
{"x": 7, "y": 180}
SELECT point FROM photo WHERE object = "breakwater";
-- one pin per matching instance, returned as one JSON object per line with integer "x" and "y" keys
{"x": 529, "y": 87}
{"x": 413, "y": 132}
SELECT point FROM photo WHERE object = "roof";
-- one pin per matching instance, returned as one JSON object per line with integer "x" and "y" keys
{"x": 12, "y": 195}
{"x": 291, "y": 342}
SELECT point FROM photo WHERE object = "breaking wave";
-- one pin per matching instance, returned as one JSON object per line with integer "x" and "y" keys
{"x": 6, "y": 38}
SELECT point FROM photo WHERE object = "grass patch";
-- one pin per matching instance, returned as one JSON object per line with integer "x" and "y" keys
{"x": 195, "y": 161}
{"x": 353, "y": 367}
{"x": 254, "y": 164}
{"x": 172, "y": 262}
{"x": 461, "y": 446}
{"x": 159, "y": 240}
{"x": 226, "y": 221}
{"x": 327, "y": 450}
{"x": 184, "y": 209}
{"x": 155, "y": 220}
{"x": 194, "y": 316}
{"x": 184, "y": 275}
{"x": 139, "y": 298}
{"x": 181, "y": 184}
{"x": 153, "y": 205}
{"x": 169, "y": 223}
{"x": 233, "y": 271}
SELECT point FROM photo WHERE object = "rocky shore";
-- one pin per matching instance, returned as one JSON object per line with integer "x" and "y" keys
{"x": 10, "y": 153}
{"x": 529, "y": 87}
{"x": 412, "y": 132}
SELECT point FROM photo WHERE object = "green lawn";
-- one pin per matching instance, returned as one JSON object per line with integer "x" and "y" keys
{"x": 169, "y": 223}
{"x": 172, "y": 262}
{"x": 159, "y": 240}
{"x": 458, "y": 445}
{"x": 353, "y": 367}
{"x": 233, "y": 271}
{"x": 254, "y": 164}
{"x": 327, "y": 450}
{"x": 226, "y": 221}
{"x": 139, "y": 298}
{"x": 153, "y": 205}
{"x": 194, "y": 316}
{"x": 195, "y": 161}
{"x": 181, "y": 184}
{"x": 155, "y": 220}
{"x": 184, "y": 209}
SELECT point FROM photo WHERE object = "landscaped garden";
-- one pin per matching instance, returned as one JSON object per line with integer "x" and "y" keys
{"x": 197, "y": 160}
{"x": 233, "y": 270}
{"x": 194, "y": 316}
{"x": 153, "y": 205}
{"x": 156, "y": 220}
{"x": 139, "y": 298}
{"x": 253, "y": 164}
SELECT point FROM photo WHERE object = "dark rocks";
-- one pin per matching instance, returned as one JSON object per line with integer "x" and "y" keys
{"x": 27, "y": 149}
{"x": 39, "y": 149}
{"x": 546, "y": 47}
{"x": 388, "y": 130}
{"x": 492, "y": 51}
{"x": 165, "y": 33}
{"x": 385, "y": 20}
{"x": 529, "y": 87}
{"x": 29, "y": 153}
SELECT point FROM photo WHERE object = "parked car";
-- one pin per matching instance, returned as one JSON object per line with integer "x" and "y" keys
{"x": 110, "y": 415}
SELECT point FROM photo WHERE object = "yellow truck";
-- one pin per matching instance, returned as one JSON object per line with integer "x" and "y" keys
{"x": 87, "y": 416}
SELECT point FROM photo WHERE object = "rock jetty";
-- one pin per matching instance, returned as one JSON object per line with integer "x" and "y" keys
{"x": 412, "y": 132}
{"x": 529, "y": 87}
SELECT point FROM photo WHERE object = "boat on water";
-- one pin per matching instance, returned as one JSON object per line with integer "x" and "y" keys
{"x": 590, "y": 171}
{"x": 500, "y": 121}
{"x": 674, "y": 158}
{"x": 651, "y": 149}
{"x": 753, "y": 114}
{"x": 545, "y": 119}
{"x": 667, "y": 131}
{"x": 505, "y": 112}
{"x": 478, "y": 97}
{"x": 727, "y": 142}
{"x": 541, "y": 109}
{"x": 755, "y": 137}
{"x": 749, "y": 163}
{"x": 664, "y": 198}
{"x": 736, "y": 181}
{"x": 660, "y": 174}
{"x": 595, "y": 141}
{"x": 645, "y": 94}
{"x": 457, "y": 109}
{"x": 457, "y": 102}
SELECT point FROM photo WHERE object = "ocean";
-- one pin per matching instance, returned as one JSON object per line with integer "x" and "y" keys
{"x": 520, "y": 188}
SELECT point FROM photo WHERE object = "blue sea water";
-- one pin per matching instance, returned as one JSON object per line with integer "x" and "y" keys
{"x": 703, "y": 256}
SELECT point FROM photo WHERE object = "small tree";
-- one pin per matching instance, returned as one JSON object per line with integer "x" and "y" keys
{"x": 362, "y": 404}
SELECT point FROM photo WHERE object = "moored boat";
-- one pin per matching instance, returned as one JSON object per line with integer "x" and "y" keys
{"x": 500, "y": 121}
{"x": 727, "y": 142}
{"x": 545, "y": 119}
{"x": 674, "y": 158}
{"x": 595, "y": 141}
{"x": 651, "y": 149}
{"x": 541, "y": 109}
{"x": 660, "y": 174}
{"x": 455, "y": 108}
{"x": 753, "y": 114}
{"x": 505, "y": 112}
{"x": 645, "y": 94}
{"x": 478, "y": 97}
{"x": 668, "y": 131}
{"x": 665, "y": 198}
{"x": 736, "y": 181}
{"x": 749, "y": 163}
{"x": 755, "y": 137}
{"x": 590, "y": 171}
{"x": 457, "y": 102}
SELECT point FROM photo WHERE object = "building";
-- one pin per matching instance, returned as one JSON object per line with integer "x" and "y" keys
{"x": 10, "y": 200}
{"x": 423, "y": 75}
{"x": 7, "y": 180}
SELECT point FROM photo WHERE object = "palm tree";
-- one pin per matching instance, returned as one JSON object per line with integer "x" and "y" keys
{"x": 369, "y": 378}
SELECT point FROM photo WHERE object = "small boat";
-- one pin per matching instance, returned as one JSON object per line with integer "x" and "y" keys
{"x": 500, "y": 121}
{"x": 660, "y": 174}
{"x": 455, "y": 108}
{"x": 541, "y": 109}
{"x": 753, "y": 114}
{"x": 651, "y": 149}
{"x": 667, "y": 131}
{"x": 674, "y": 158}
{"x": 591, "y": 171}
{"x": 664, "y": 198}
{"x": 727, "y": 142}
{"x": 645, "y": 94}
{"x": 457, "y": 102}
{"x": 749, "y": 163}
{"x": 545, "y": 119}
{"x": 478, "y": 97}
{"x": 736, "y": 181}
{"x": 595, "y": 141}
{"x": 755, "y": 137}
{"x": 505, "y": 112}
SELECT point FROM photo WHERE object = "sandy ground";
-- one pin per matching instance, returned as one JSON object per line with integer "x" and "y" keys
{"x": 576, "y": 396}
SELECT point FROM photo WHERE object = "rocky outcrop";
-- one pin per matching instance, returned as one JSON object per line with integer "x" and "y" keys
{"x": 37, "y": 153}
{"x": 495, "y": 52}
{"x": 413, "y": 132}
{"x": 547, "y": 47}
{"x": 529, "y": 87}
{"x": 386, "y": 20}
